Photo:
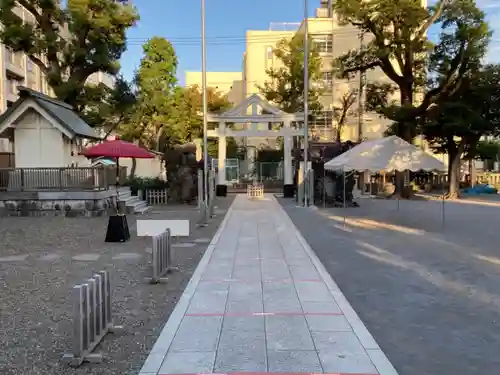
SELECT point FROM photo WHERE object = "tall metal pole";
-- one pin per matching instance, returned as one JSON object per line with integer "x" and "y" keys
{"x": 330, "y": 14}
{"x": 306, "y": 98}
{"x": 361, "y": 103}
{"x": 205, "y": 107}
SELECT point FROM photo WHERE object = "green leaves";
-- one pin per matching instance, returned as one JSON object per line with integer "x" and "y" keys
{"x": 68, "y": 44}
{"x": 109, "y": 107}
{"x": 397, "y": 44}
{"x": 285, "y": 86}
{"x": 165, "y": 114}
{"x": 468, "y": 115}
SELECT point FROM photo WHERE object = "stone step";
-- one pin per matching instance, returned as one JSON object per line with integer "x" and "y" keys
{"x": 142, "y": 210}
{"x": 129, "y": 200}
{"x": 138, "y": 203}
{"x": 133, "y": 203}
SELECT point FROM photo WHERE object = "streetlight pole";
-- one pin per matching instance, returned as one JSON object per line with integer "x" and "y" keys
{"x": 306, "y": 100}
{"x": 205, "y": 108}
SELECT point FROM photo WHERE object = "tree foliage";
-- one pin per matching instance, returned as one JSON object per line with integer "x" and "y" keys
{"x": 166, "y": 114}
{"x": 285, "y": 85}
{"x": 189, "y": 108}
{"x": 157, "y": 94}
{"x": 487, "y": 150}
{"x": 398, "y": 45}
{"x": 472, "y": 112}
{"x": 70, "y": 43}
{"x": 107, "y": 107}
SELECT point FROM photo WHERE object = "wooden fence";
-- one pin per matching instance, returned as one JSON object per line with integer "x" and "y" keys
{"x": 156, "y": 196}
{"x": 491, "y": 178}
{"x": 255, "y": 191}
{"x": 59, "y": 179}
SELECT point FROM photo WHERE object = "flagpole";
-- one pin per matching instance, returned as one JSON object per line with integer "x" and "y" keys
{"x": 306, "y": 100}
{"x": 205, "y": 107}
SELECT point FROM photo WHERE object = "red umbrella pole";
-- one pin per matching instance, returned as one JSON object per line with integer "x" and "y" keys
{"x": 117, "y": 172}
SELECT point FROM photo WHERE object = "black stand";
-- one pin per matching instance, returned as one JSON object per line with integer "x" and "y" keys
{"x": 221, "y": 190}
{"x": 118, "y": 230}
{"x": 288, "y": 191}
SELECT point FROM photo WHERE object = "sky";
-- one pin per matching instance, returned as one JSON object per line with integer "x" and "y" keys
{"x": 226, "y": 23}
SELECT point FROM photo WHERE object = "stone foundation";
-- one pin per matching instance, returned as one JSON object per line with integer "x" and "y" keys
{"x": 68, "y": 208}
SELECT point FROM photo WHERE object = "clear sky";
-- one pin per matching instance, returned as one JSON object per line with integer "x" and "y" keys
{"x": 226, "y": 23}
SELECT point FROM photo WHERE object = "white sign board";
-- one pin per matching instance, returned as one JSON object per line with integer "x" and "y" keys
{"x": 178, "y": 228}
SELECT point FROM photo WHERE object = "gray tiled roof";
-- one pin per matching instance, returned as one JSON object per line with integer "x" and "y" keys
{"x": 61, "y": 112}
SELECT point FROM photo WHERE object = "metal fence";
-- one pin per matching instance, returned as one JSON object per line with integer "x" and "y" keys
{"x": 270, "y": 171}
{"x": 92, "y": 318}
{"x": 59, "y": 179}
{"x": 306, "y": 186}
{"x": 255, "y": 191}
{"x": 162, "y": 260}
{"x": 207, "y": 209}
{"x": 156, "y": 196}
{"x": 211, "y": 193}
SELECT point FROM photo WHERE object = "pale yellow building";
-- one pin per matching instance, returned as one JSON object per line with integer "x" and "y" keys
{"x": 332, "y": 41}
{"x": 230, "y": 83}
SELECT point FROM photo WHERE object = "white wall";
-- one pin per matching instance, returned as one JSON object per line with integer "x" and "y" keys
{"x": 37, "y": 143}
{"x": 146, "y": 168}
{"x": 71, "y": 153}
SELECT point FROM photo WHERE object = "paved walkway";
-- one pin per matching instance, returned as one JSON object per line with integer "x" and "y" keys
{"x": 261, "y": 301}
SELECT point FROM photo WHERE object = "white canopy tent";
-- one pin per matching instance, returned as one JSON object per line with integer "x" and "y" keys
{"x": 385, "y": 155}
{"x": 388, "y": 154}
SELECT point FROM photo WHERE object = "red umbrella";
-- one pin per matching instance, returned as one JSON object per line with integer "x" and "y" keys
{"x": 117, "y": 149}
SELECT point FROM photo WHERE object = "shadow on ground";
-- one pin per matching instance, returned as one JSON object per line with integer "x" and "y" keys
{"x": 429, "y": 294}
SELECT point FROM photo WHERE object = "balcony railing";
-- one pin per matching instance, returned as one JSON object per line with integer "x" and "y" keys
{"x": 59, "y": 179}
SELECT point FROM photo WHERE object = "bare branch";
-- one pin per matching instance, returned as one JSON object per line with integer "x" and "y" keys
{"x": 360, "y": 68}
{"x": 431, "y": 20}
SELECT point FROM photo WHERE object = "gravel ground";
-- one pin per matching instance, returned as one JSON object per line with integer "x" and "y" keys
{"x": 429, "y": 295}
{"x": 40, "y": 261}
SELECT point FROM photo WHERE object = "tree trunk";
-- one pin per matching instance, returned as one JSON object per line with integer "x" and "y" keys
{"x": 339, "y": 134}
{"x": 133, "y": 168}
{"x": 405, "y": 131}
{"x": 454, "y": 157}
{"x": 472, "y": 172}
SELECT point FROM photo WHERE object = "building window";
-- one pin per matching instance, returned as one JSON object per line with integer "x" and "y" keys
{"x": 327, "y": 79}
{"x": 30, "y": 66}
{"x": 11, "y": 86}
{"x": 323, "y": 43}
{"x": 269, "y": 53}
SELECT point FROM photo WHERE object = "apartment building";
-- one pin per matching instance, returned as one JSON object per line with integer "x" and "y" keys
{"x": 331, "y": 40}
{"x": 16, "y": 69}
{"x": 229, "y": 83}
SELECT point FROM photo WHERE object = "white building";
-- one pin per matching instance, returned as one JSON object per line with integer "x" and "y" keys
{"x": 44, "y": 132}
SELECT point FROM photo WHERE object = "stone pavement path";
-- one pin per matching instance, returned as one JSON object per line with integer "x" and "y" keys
{"x": 261, "y": 301}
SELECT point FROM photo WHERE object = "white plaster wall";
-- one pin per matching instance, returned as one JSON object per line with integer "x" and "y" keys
{"x": 37, "y": 143}
{"x": 71, "y": 153}
{"x": 146, "y": 168}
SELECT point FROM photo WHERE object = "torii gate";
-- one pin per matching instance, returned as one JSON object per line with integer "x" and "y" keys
{"x": 240, "y": 115}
